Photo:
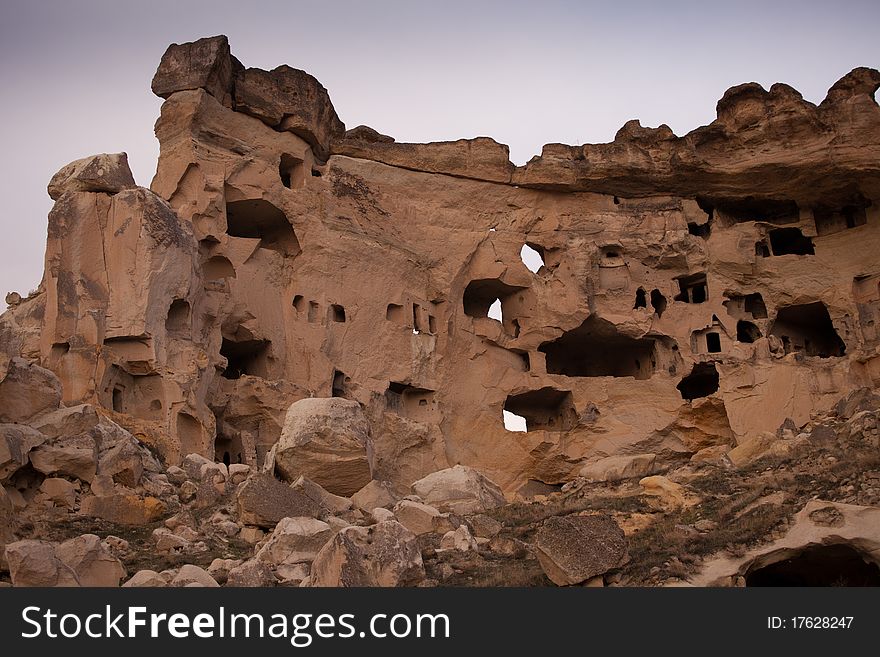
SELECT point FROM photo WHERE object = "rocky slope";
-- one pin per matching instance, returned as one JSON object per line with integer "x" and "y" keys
{"x": 278, "y": 365}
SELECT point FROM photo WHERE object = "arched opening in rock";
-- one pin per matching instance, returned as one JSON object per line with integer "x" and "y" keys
{"x": 228, "y": 450}
{"x": 761, "y": 249}
{"x": 217, "y": 268}
{"x": 299, "y": 303}
{"x": 701, "y": 382}
{"x": 747, "y": 331}
{"x": 790, "y": 241}
{"x": 818, "y": 565}
{"x": 694, "y": 288}
{"x": 546, "y": 409}
{"x": 177, "y": 321}
{"x": 257, "y": 218}
{"x": 480, "y": 295}
{"x": 641, "y": 299}
{"x": 658, "y": 302}
{"x": 245, "y": 357}
{"x": 189, "y": 434}
{"x": 532, "y": 257}
{"x": 808, "y": 328}
{"x": 339, "y": 386}
{"x": 596, "y": 348}
{"x": 745, "y": 305}
{"x": 394, "y": 313}
{"x": 291, "y": 171}
{"x": 116, "y": 400}
{"x": 337, "y": 313}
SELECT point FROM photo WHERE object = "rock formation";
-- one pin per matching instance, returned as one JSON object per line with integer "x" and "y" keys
{"x": 299, "y": 323}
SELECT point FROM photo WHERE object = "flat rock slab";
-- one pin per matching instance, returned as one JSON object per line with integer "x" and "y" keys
{"x": 573, "y": 549}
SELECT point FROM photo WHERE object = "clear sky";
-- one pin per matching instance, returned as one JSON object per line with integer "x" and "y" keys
{"x": 75, "y": 74}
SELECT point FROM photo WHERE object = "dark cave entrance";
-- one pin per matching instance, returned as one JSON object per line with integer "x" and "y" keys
{"x": 257, "y": 218}
{"x": 548, "y": 409}
{"x": 818, "y": 565}
{"x": 790, "y": 241}
{"x": 247, "y": 357}
{"x": 808, "y": 328}
{"x": 701, "y": 382}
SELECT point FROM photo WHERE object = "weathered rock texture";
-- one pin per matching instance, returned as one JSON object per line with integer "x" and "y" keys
{"x": 697, "y": 295}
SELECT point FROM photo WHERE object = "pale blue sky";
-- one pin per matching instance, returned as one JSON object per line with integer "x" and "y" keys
{"x": 76, "y": 75}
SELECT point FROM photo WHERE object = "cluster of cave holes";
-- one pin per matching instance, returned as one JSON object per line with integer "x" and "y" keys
{"x": 245, "y": 357}
{"x": 807, "y": 328}
{"x": 658, "y": 301}
{"x": 260, "y": 219}
{"x": 312, "y": 310}
{"x": 545, "y": 409}
{"x": 818, "y": 565}
{"x": 422, "y": 321}
{"x": 596, "y": 348}
{"x": 701, "y": 382}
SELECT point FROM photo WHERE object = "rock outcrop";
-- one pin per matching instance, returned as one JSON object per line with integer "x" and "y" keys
{"x": 293, "y": 355}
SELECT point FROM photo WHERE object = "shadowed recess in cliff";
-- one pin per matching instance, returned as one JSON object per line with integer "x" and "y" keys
{"x": 596, "y": 348}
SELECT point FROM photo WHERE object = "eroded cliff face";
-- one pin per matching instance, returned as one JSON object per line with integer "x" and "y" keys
{"x": 695, "y": 291}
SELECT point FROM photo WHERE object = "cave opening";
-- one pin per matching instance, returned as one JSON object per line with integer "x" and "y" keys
{"x": 790, "y": 241}
{"x": 693, "y": 288}
{"x": 773, "y": 211}
{"x": 228, "y": 450}
{"x": 546, "y": 409}
{"x": 258, "y": 218}
{"x": 747, "y": 332}
{"x": 177, "y": 320}
{"x": 413, "y": 402}
{"x": 818, "y": 565}
{"x": 658, "y": 302}
{"x": 596, "y": 348}
{"x": 337, "y": 313}
{"x": 701, "y": 382}
{"x": 808, "y": 328}
{"x": 245, "y": 357}
{"x": 641, "y": 299}
{"x": 292, "y": 171}
{"x": 830, "y": 219}
{"x": 713, "y": 342}
{"x": 217, "y": 268}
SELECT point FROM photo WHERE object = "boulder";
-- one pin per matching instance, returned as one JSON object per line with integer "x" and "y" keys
{"x": 123, "y": 509}
{"x": 667, "y": 494}
{"x": 295, "y": 540}
{"x": 58, "y": 492}
{"x": 459, "y": 489}
{"x": 144, "y": 579}
{"x": 251, "y": 574}
{"x": 263, "y": 501}
{"x": 415, "y": 516}
{"x": 16, "y": 442}
{"x": 289, "y": 99}
{"x": 190, "y": 575}
{"x": 374, "y": 494}
{"x": 34, "y": 563}
{"x": 27, "y": 390}
{"x": 573, "y": 549}
{"x": 203, "y": 64}
{"x": 72, "y": 459}
{"x": 384, "y": 554}
{"x": 327, "y": 500}
{"x": 66, "y": 421}
{"x": 327, "y": 440}
{"x": 483, "y": 526}
{"x": 107, "y": 172}
{"x": 459, "y": 539}
{"x": 616, "y": 468}
{"x": 92, "y": 562}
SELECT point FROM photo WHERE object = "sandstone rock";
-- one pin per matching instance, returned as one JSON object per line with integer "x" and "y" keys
{"x": 6, "y": 516}
{"x": 238, "y": 472}
{"x": 295, "y": 540}
{"x": 59, "y": 492}
{"x": 575, "y": 548}
{"x": 145, "y": 578}
{"x": 460, "y": 539}
{"x": 92, "y": 562}
{"x": 264, "y": 501}
{"x": 330, "y": 502}
{"x": 483, "y": 526}
{"x": 374, "y": 494}
{"x": 459, "y": 489}
{"x": 219, "y": 569}
{"x": 99, "y": 173}
{"x": 73, "y": 461}
{"x": 251, "y": 574}
{"x": 751, "y": 449}
{"x": 668, "y": 494}
{"x": 380, "y": 514}
{"x": 327, "y": 440}
{"x": 124, "y": 509}
{"x": 189, "y": 575}
{"x": 385, "y": 554}
{"x": 290, "y": 100}
{"x": 34, "y": 563}
{"x": 27, "y": 390}
{"x": 66, "y": 421}
{"x": 415, "y": 516}
{"x": 203, "y": 64}
{"x": 615, "y": 468}
{"x": 16, "y": 442}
